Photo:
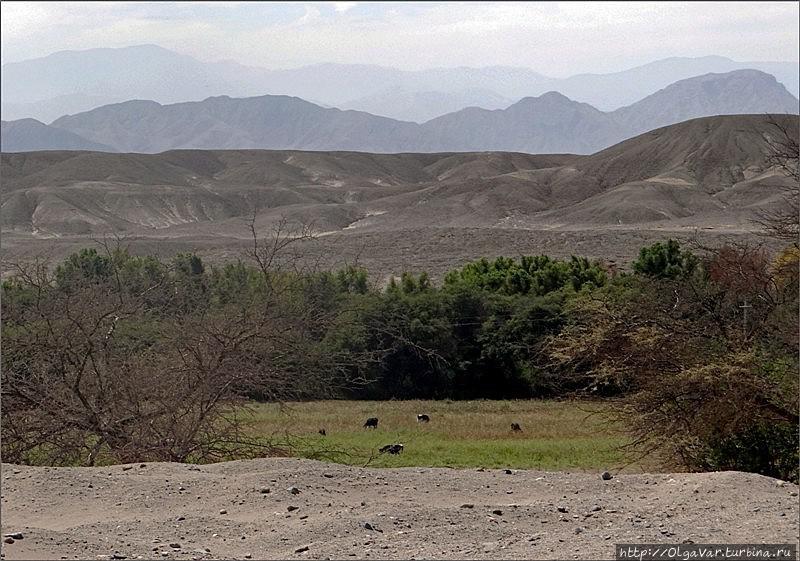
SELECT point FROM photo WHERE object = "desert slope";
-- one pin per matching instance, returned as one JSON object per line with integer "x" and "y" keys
{"x": 224, "y": 511}
{"x": 710, "y": 172}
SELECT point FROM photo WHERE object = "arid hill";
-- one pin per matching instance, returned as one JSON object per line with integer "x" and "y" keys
{"x": 704, "y": 172}
{"x": 706, "y": 178}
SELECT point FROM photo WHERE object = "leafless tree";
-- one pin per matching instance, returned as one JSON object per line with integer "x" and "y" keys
{"x": 783, "y": 154}
{"x": 104, "y": 361}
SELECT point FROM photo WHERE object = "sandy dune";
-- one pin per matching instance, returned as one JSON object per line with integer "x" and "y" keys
{"x": 241, "y": 509}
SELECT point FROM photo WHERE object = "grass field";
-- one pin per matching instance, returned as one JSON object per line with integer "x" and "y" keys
{"x": 557, "y": 435}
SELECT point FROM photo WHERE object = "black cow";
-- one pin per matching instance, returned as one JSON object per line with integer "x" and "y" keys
{"x": 372, "y": 423}
{"x": 515, "y": 427}
{"x": 423, "y": 418}
{"x": 392, "y": 449}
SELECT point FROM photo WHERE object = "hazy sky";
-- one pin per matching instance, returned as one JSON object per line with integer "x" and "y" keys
{"x": 553, "y": 38}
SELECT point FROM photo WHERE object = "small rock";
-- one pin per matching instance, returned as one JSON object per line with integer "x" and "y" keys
{"x": 363, "y": 503}
{"x": 15, "y": 535}
{"x": 175, "y": 545}
{"x": 509, "y": 472}
{"x": 468, "y": 505}
{"x": 294, "y": 490}
{"x": 8, "y": 540}
{"x": 119, "y": 556}
{"x": 301, "y": 549}
{"x": 291, "y": 508}
{"x": 578, "y": 530}
{"x": 562, "y": 509}
{"x": 596, "y": 508}
{"x": 265, "y": 490}
{"x": 223, "y": 511}
{"x": 605, "y": 476}
{"x": 248, "y": 556}
{"x": 126, "y": 468}
{"x": 498, "y": 512}
{"x": 180, "y": 519}
{"x": 328, "y": 475}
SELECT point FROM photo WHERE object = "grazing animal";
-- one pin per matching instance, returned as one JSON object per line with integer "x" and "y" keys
{"x": 322, "y": 432}
{"x": 423, "y": 418}
{"x": 372, "y": 423}
{"x": 515, "y": 427}
{"x": 392, "y": 449}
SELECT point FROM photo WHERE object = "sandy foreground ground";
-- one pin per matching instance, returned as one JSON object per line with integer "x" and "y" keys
{"x": 246, "y": 509}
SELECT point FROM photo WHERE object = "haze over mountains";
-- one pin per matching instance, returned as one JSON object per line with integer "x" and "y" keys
{"x": 27, "y": 135}
{"x": 70, "y": 82}
{"x": 550, "y": 123}
{"x": 709, "y": 172}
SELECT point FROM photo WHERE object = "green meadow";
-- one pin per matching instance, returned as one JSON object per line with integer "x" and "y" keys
{"x": 556, "y": 435}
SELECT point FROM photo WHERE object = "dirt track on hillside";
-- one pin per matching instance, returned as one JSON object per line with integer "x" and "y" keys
{"x": 241, "y": 509}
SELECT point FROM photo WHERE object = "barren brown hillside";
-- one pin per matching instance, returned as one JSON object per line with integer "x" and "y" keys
{"x": 710, "y": 175}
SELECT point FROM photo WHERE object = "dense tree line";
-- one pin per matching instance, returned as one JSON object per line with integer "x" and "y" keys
{"x": 146, "y": 357}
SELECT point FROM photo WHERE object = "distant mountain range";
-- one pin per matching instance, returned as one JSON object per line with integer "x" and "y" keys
{"x": 550, "y": 123}
{"x": 70, "y": 82}
{"x": 28, "y": 135}
{"x": 712, "y": 172}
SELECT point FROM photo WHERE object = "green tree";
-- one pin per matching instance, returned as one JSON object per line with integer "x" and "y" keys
{"x": 665, "y": 261}
{"x": 87, "y": 264}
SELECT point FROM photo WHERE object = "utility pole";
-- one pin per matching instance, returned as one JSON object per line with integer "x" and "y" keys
{"x": 744, "y": 308}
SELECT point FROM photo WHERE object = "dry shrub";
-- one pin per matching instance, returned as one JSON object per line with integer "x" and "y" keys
{"x": 117, "y": 360}
{"x": 700, "y": 380}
